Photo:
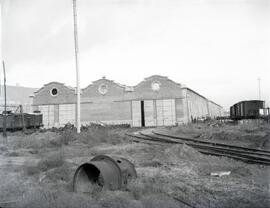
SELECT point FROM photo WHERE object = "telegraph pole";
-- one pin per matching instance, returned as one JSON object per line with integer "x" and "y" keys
{"x": 5, "y": 96}
{"x": 259, "y": 82}
{"x": 78, "y": 123}
{"x": 5, "y": 108}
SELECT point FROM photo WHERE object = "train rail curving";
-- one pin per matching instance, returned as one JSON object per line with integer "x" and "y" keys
{"x": 248, "y": 155}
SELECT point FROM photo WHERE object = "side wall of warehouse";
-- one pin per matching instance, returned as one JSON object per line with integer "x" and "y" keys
{"x": 195, "y": 105}
{"x": 215, "y": 110}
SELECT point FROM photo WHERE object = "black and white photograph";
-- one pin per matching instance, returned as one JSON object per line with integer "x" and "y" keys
{"x": 134, "y": 103}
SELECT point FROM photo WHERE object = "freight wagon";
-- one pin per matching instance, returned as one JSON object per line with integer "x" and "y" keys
{"x": 246, "y": 109}
{"x": 16, "y": 121}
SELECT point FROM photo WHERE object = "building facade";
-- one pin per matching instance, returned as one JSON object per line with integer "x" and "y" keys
{"x": 156, "y": 101}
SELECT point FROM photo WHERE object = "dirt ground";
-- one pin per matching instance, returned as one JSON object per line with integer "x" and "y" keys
{"x": 36, "y": 170}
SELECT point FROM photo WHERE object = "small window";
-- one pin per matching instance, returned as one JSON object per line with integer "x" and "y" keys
{"x": 155, "y": 86}
{"x": 54, "y": 92}
{"x": 103, "y": 89}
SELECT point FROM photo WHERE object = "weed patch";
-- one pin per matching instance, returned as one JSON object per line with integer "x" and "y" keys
{"x": 51, "y": 161}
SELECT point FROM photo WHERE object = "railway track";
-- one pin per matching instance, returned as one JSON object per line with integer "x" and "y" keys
{"x": 211, "y": 143}
{"x": 216, "y": 146}
{"x": 248, "y": 155}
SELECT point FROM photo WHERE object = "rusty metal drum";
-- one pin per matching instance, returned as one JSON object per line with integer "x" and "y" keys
{"x": 103, "y": 171}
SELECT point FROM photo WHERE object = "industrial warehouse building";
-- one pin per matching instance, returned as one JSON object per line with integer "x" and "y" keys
{"x": 156, "y": 101}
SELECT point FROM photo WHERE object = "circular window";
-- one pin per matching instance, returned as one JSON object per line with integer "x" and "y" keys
{"x": 155, "y": 86}
{"x": 54, "y": 92}
{"x": 103, "y": 89}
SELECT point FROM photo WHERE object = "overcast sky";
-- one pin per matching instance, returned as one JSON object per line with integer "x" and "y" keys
{"x": 216, "y": 47}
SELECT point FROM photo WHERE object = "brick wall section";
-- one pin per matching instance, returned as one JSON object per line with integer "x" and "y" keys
{"x": 65, "y": 95}
{"x": 107, "y": 112}
{"x": 105, "y": 107}
{"x": 92, "y": 94}
{"x": 168, "y": 89}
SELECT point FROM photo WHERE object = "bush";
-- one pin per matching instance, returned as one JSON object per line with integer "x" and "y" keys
{"x": 47, "y": 198}
{"x": 34, "y": 141}
{"x": 58, "y": 175}
{"x": 117, "y": 199}
{"x": 3, "y": 148}
{"x": 31, "y": 170}
{"x": 67, "y": 136}
{"x": 152, "y": 185}
{"x": 99, "y": 135}
{"x": 160, "y": 201}
{"x": 13, "y": 154}
{"x": 53, "y": 160}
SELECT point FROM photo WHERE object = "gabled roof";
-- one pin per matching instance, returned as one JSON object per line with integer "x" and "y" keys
{"x": 58, "y": 83}
{"x": 104, "y": 79}
{"x": 153, "y": 77}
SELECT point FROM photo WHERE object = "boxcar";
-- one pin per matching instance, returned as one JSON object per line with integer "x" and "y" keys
{"x": 14, "y": 121}
{"x": 246, "y": 109}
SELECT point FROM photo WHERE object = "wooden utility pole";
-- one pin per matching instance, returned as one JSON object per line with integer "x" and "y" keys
{"x": 22, "y": 118}
{"x": 78, "y": 123}
{"x": 5, "y": 108}
{"x": 259, "y": 81}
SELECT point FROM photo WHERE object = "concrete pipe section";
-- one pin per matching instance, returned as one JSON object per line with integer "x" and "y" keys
{"x": 103, "y": 171}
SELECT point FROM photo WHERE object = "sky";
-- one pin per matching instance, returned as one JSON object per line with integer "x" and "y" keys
{"x": 218, "y": 48}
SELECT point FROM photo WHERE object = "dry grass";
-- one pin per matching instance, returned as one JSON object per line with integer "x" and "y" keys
{"x": 55, "y": 159}
{"x": 246, "y": 134}
{"x": 34, "y": 141}
{"x": 164, "y": 173}
{"x": 100, "y": 135}
{"x": 46, "y": 198}
{"x": 55, "y": 139}
{"x": 52, "y": 160}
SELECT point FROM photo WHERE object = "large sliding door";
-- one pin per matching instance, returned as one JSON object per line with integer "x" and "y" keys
{"x": 166, "y": 112}
{"x": 136, "y": 113}
{"x": 149, "y": 113}
{"x": 169, "y": 112}
{"x": 154, "y": 113}
{"x": 67, "y": 114}
{"x": 47, "y": 112}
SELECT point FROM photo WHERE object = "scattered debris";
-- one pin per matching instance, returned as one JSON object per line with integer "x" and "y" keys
{"x": 220, "y": 173}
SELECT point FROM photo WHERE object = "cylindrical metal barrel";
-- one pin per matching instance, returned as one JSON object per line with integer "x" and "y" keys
{"x": 108, "y": 172}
